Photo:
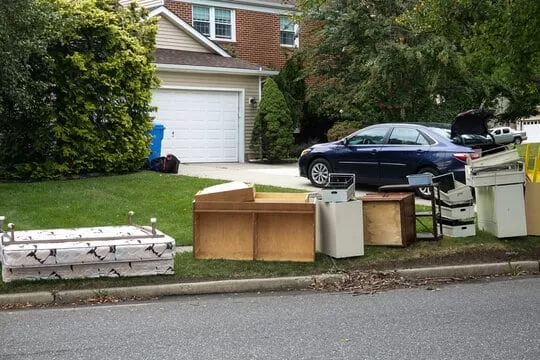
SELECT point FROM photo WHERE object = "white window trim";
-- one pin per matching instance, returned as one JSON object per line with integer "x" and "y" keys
{"x": 296, "y": 38}
{"x": 212, "y": 12}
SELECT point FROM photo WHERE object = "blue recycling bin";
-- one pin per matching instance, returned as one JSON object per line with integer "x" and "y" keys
{"x": 155, "y": 145}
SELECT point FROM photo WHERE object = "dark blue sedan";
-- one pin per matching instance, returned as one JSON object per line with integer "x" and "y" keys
{"x": 385, "y": 154}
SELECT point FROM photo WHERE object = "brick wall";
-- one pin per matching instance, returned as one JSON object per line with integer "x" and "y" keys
{"x": 257, "y": 35}
{"x": 181, "y": 9}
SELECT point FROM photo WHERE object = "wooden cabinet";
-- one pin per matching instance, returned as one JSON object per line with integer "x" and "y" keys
{"x": 272, "y": 227}
{"x": 389, "y": 219}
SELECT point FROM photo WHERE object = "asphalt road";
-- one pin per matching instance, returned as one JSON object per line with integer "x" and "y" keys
{"x": 498, "y": 319}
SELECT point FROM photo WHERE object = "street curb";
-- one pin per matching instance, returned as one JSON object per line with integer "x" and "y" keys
{"x": 513, "y": 268}
{"x": 42, "y": 297}
{"x": 254, "y": 285}
{"x": 197, "y": 288}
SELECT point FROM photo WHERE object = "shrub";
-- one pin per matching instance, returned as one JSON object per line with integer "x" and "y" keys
{"x": 82, "y": 102}
{"x": 273, "y": 129}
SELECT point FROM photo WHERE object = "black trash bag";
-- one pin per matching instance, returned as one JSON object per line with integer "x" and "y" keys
{"x": 166, "y": 164}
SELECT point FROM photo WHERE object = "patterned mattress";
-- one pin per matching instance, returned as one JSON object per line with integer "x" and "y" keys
{"x": 86, "y": 252}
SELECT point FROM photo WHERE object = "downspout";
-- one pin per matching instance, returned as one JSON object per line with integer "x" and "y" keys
{"x": 260, "y": 87}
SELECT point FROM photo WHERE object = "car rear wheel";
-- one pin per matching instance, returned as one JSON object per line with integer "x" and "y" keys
{"x": 425, "y": 192}
{"x": 517, "y": 141}
{"x": 319, "y": 172}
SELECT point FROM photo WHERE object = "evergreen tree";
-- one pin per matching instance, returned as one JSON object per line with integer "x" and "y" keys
{"x": 273, "y": 129}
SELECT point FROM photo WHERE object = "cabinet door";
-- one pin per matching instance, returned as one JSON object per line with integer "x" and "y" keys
{"x": 509, "y": 208}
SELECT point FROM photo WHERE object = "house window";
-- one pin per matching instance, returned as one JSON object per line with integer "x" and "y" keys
{"x": 215, "y": 23}
{"x": 286, "y": 31}
{"x": 201, "y": 20}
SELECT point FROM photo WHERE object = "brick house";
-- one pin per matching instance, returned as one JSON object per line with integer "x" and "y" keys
{"x": 258, "y": 31}
{"x": 207, "y": 99}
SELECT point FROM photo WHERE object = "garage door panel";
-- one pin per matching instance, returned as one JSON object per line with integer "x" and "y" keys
{"x": 200, "y": 126}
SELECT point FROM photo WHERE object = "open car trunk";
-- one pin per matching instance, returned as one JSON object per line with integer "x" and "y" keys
{"x": 470, "y": 129}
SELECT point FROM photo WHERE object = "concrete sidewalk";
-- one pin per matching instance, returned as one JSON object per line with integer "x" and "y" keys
{"x": 255, "y": 285}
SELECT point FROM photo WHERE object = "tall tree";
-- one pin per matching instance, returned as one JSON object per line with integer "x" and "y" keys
{"x": 26, "y": 116}
{"x": 365, "y": 65}
{"x": 399, "y": 60}
{"x": 496, "y": 40}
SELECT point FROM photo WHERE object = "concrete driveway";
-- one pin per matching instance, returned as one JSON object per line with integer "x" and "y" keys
{"x": 283, "y": 175}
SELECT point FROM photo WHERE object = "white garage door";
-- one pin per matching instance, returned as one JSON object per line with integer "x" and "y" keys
{"x": 200, "y": 126}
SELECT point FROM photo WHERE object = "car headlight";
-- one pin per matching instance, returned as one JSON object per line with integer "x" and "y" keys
{"x": 305, "y": 152}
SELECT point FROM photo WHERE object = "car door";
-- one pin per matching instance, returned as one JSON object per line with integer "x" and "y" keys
{"x": 360, "y": 154}
{"x": 507, "y": 136}
{"x": 402, "y": 154}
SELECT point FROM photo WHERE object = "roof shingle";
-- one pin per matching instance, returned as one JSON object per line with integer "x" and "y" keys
{"x": 179, "y": 57}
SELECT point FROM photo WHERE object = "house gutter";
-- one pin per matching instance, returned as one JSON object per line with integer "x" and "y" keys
{"x": 215, "y": 70}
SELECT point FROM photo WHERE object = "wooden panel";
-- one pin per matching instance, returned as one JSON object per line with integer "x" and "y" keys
{"x": 234, "y": 191}
{"x": 281, "y": 197}
{"x": 271, "y": 229}
{"x": 283, "y": 237}
{"x": 389, "y": 219}
{"x": 254, "y": 207}
{"x": 408, "y": 219}
{"x": 532, "y": 208}
{"x": 223, "y": 236}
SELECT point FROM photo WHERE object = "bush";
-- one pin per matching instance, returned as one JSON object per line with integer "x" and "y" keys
{"x": 273, "y": 129}
{"x": 83, "y": 101}
{"x": 343, "y": 128}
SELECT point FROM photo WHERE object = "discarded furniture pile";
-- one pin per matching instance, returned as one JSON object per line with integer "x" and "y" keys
{"x": 234, "y": 221}
{"x": 106, "y": 251}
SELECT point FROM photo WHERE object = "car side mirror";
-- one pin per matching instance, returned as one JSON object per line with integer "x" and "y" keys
{"x": 346, "y": 142}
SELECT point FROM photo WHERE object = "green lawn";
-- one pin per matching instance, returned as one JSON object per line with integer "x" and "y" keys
{"x": 533, "y": 151}
{"x": 107, "y": 200}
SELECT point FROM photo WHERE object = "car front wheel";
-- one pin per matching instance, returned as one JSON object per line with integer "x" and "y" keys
{"x": 517, "y": 141}
{"x": 319, "y": 172}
